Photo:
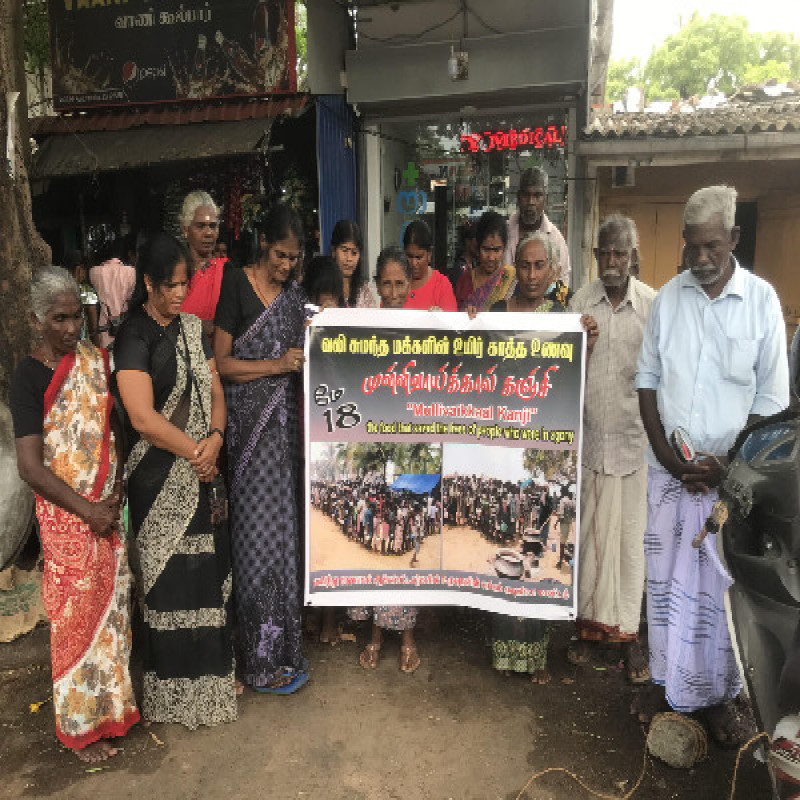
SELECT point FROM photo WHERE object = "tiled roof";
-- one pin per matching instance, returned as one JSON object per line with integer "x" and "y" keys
{"x": 737, "y": 116}
{"x": 119, "y": 119}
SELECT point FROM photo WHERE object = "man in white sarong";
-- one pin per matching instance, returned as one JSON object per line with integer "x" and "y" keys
{"x": 614, "y": 475}
{"x": 713, "y": 358}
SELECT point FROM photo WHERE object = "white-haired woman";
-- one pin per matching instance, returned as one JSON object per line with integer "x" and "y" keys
{"x": 67, "y": 452}
{"x": 200, "y": 225}
{"x": 520, "y": 645}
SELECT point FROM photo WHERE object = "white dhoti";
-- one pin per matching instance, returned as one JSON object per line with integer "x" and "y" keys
{"x": 690, "y": 647}
{"x": 611, "y": 557}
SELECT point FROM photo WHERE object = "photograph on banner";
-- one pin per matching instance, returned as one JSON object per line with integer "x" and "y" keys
{"x": 509, "y": 512}
{"x": 375, "y": 505}
{"x": 442, "y": 459}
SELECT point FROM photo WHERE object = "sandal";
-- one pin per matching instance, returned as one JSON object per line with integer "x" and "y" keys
{"x": 727, "y": 725}
{"x": 579, "y": 653}
{"x": 287, "y": 682}
{"x": 370, "y": 656}
{"x": 636, "y": 665}
{"x": 409, "y": 659}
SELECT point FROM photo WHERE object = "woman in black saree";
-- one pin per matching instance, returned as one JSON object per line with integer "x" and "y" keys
{"x": 258, "y": 339}
{"x": 167, "y": 380}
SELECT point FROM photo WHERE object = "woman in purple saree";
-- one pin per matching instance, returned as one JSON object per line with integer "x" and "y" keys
{"x": 258, "y": 345}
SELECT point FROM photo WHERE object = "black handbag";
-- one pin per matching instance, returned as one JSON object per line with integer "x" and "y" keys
{"x": 215, "y": 489}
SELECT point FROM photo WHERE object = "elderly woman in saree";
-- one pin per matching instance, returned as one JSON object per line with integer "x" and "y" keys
{"x": 520, "y": 645}
{"x": 168, "y": 383}
{"x": 259, "y": 334}
{"x": 393, "y": 279}
{"x": 199, "y": 222}
{"x": 489, "y": 281}
{"x": 68, "y": 452}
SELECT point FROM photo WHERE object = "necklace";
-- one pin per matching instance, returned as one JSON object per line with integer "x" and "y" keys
{"x": 255, "y": 283}
{"x": 155, "y": 316}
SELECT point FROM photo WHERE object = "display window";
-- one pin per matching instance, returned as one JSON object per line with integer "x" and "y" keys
{"x": 449, "y": 172}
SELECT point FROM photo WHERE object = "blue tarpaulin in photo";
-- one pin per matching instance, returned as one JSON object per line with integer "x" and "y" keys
{"x": 418, "y": 484}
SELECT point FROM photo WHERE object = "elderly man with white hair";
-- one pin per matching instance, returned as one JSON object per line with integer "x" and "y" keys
{"x": 614, "y": 474}
{"x": 713, "y": 358}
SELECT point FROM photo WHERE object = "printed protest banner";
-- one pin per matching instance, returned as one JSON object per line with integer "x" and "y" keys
{"x": 119, "y": 52}
{"x": 442, "y": 460}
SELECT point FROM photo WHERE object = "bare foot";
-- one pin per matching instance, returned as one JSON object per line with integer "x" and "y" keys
{"x": 541, "y": 677}
{"x": 95, "y": 752}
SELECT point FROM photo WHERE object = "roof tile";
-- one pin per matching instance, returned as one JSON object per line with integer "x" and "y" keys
{"x": 740, "y": 115}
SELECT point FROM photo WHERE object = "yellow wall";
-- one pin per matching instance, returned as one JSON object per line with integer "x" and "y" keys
{"x": 655, "y": 203}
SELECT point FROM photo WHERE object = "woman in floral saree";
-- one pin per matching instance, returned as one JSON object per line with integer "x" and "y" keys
{"x": 67, "y": 452}
{"x": 489, "y": 282}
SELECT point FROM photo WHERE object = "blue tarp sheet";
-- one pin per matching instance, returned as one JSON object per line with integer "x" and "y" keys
{"x": 418, "y": 484}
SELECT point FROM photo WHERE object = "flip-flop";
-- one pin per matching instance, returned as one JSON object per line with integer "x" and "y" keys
{"x": 298, "y": 681}
{"x": 409, "y": 659}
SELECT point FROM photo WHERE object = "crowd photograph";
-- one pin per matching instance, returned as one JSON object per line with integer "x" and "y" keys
{"x": 510, "y": 513}
{"x": 357, "y": 517}
{"x": 629, "y": 595}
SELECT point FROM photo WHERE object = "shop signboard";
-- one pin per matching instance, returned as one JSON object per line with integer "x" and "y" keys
{"x": 432, "y": 443}
{"x": 547, "y": 137}
{"x": 123, "y": 52}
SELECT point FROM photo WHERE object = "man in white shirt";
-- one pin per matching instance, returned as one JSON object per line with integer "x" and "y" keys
{"x": 531, "y": 202}
{"x": 713, "y": 358}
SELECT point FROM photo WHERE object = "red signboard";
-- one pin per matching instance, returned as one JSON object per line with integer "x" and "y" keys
{"x": 540, "y": 138}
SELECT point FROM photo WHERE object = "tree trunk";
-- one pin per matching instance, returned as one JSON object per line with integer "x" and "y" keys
{"x": 21, "y": 248}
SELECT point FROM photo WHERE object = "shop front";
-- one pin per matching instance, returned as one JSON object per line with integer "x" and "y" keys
{"x": 448, "y": 171}
{"x": 131, "y": 172}
{"x": 455, "y": 105}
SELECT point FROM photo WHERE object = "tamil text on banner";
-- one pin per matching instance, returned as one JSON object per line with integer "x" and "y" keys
{"x": 136, "y": 51}
{"x": 442, "y": 460}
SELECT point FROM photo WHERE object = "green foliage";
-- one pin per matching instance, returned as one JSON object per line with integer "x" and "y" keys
{"x": 358, "y": 458}
{"x": 301, "y": 40}
{"x": 706, "y": 54}
{"x": 550, "y": 462}
{"x": 714, "y": 53}
{"x": 623, "y": 73}
{"x": 759, "y": 74}
{"x": 37, "y": 35}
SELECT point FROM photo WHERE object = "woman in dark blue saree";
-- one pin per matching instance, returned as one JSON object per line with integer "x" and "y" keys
{"x": 258, "y": 345}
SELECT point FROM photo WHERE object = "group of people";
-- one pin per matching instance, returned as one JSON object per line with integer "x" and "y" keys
{"x": 210, "y": 357}
{"x": 387, "y": 522}
{"x": 503, "y": 511}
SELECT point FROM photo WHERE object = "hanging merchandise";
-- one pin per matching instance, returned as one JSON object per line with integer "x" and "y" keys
{"x": 234, "y": 216}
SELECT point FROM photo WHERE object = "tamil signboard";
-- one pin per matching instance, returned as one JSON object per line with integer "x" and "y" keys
{"x": 119, "y": 52}
{"x": 442, "y": 460}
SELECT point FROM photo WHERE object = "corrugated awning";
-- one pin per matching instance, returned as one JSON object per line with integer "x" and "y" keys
{"x": 105, "y": 151}
{"x": 124, "y": 118}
